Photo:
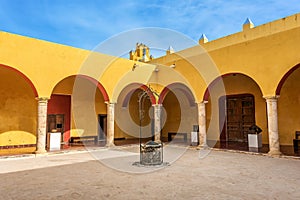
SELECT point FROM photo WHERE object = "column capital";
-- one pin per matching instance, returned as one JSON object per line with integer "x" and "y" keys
{"x": 42, "y": 98}
{"x": 271, "y": 97}
{"x": 202, "y": 102}
{"x": 107, "y": 102}
{"x": 157, "y": 105}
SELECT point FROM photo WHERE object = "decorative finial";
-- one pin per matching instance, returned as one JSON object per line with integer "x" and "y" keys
{"x": 203, "y": 39}
{"x": 248, "y": 24}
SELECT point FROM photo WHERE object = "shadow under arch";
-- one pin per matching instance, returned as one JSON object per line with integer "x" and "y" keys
{"x": 284, "y": 78}
{"x": 131, "y": 88}
{"x": 177, "y": 86}
{"x": 288, "y": 115}
{"x": 96, "y": 83}
{"x": 219, "y": 80}
{"x": 24, "y": 77}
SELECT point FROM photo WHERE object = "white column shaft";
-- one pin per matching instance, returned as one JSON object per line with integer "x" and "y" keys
{"x": 157, "y": 122}
{"x": 42, "y": 125}
{"x": 202, "y": 124}
{"x": 273, "y": 126}
{"x": 110, "y": 124}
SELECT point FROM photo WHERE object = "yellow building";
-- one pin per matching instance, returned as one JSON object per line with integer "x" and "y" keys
{"x": 220, "y": 87}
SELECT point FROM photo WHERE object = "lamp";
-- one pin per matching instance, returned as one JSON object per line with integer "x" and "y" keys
{"x": 134, "y": 66}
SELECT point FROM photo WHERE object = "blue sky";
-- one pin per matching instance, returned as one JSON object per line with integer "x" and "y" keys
{"x": 86, "y": 23}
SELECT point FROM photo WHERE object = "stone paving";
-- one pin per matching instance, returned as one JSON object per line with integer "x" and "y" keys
{"x": 109, "y": 174}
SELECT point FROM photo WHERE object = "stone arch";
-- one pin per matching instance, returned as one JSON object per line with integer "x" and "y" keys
{"x": 177, "y": 86}
{"x": 92, "y": 80}
{"x": 130, "y": 90}
{"x": 219, "y": 78}
{"x": 24, "y": 77}
{"x": 284, "y": 78}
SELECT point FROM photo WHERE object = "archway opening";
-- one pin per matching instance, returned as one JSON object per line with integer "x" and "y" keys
{"x": 89, "y": 100}
{"x": 180, "y": 113}
{"x": 241, "y": 107}
{"x": 18, "y": 112}
{"x": 134, "y": 120}
{"x": 288, "y": 108}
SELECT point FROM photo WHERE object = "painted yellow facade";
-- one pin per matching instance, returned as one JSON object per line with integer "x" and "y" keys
{"x": 262, "y": 61}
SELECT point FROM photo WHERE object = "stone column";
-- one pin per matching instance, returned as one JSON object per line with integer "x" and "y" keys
{"x": 202, "y": 125}
{"x": 273, "y": 125}
{"x": 157, "y": 122}
{"x": 42, "y": 125}
{"x": 110, "y": 124}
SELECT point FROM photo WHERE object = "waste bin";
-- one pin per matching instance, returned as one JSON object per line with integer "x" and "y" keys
{"x": 194, "y": 138}
{"x": 254, "y": 137}
{"x": 53, "y": 141}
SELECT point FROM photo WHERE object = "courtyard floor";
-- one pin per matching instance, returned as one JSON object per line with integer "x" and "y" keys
{"x": 100, "y": 173}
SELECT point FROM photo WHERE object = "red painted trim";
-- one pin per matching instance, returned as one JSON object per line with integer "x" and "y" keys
{"x": 163, "y": 95}
{"x": 24, "y": 77}
{"x": 211, "y": 85}
{"x": 283, "y": 79}
{"x": 183, "y": 88}
{"x": 99, "y": 86}
{"x": 150, "y": 94}
{"x": 142, "y": 87}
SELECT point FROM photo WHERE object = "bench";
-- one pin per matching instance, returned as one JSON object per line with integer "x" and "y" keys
{"x": 95, "y": 138}
{"x": 296, "y": 141}
{"x": 171, "y": 134}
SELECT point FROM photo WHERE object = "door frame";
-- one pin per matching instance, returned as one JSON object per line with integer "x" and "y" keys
{"x": 102, "y": 124}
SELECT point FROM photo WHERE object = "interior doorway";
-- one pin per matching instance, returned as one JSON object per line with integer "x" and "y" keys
{"x": 102, "y": 128}
{"x": 55, "y": 122}
{"x": 239, "y": 113}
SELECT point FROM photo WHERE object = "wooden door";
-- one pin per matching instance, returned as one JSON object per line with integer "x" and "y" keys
{"x": 240, "y": 115}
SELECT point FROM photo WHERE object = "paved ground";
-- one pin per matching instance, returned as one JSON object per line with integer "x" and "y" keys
{"x": 80, "y": 175}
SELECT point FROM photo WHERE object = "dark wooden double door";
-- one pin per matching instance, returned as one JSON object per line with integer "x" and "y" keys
{"x": 238, "y": 112}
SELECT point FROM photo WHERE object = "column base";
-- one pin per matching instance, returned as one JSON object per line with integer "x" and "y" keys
{"x": 40, "y": 151}
{"x": 110, "y": 145}
{"x": 202, "y": 146}
{"x": 157, "y": 141}
{"x": 274, "y": 153}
